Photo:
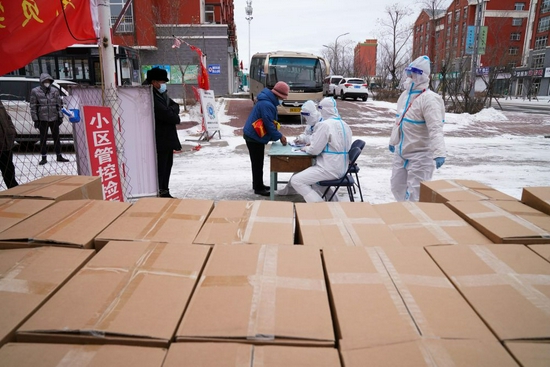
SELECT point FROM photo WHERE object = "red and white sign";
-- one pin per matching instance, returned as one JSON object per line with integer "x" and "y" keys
{"x": 100, "y": 136}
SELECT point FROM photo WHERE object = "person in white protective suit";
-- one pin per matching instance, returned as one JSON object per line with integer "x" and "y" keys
{"x": 309, "y": 116}
{"x": 417, "y": 136}
{"x": 330, "y": 142}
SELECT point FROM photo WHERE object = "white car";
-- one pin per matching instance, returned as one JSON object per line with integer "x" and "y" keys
{"x": 15, "y": 96}
{"x": 351, "y": 88}
{"x": 329, "y": 83}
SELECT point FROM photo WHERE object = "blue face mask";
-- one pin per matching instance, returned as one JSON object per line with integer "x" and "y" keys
{"x": 280, "y": 102}
{"x": 162, "y": 88}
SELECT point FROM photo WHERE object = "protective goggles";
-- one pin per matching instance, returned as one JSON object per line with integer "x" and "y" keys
{"x": 411, "y": 69}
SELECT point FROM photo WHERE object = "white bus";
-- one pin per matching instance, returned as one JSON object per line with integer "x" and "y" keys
{"x": 303, "y": 72}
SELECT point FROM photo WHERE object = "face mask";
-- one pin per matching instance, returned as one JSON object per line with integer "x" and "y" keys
{"x": 162, "y": 88}
{"x": 280, "y": 102}
{"x": 47, "y": 85}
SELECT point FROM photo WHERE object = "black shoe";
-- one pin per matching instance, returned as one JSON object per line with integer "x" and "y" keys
{"x": 267, "y": 188}
{"x": 262, "y": 192}
{"x": 165, "y": 194}
{"x": 43, "y": 161}
{"x": 60, "y": 158}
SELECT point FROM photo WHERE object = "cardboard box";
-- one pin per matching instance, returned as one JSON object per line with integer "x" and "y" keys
{"x": 249, "y": 222}
{"x": 422, "y": 224}
{"x": 530, "y": 354}
{"x": 131, "y": 293}
{"x": 542, "y": 250}
{"x": 385, "y": 295}
{"x": 260, "y": 294}
{"x": 537, "y": 198}
{"x": 70, "y": 223}
{"x": 505, "y": 221}
{"x": 431, "y": 353}
{"x": 507, "y": 285}
{"x": 158, "y": 220}
{"x": 13, "y": 211}
{"x": 58, "y": 355}
{"x": 58, "y": 188}
{"x": 29, "y": 277}
{"x": 341, "y": 224}
{"x": 234, "y": 354}
{"x": 441, "y": 191}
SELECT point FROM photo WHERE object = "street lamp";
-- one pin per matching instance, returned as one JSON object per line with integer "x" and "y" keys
{"x": 337, "y": 71}
{"x": 248, "y": 17}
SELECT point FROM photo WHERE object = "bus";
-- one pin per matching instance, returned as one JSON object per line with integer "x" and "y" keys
{"x": 303, "y": 72}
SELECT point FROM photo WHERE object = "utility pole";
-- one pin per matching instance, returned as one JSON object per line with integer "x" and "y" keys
{"x": 249, "y": 17}
{"x": 106, "y": 51}
{"x": 473, "y": 75}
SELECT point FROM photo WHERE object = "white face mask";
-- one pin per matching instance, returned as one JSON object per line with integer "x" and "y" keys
{"x": 47, "y": 85}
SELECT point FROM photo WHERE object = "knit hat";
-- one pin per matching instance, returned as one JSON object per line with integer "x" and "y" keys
{"x": 281, "y": 90}
{"x": 157, "y": 74}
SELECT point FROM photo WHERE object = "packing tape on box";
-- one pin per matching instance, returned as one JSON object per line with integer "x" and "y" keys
{"x": 244, "y": 231}
{"x": 431, "y": 225}
{"x": 159, "y": 218}
{"x": 68, "y": 220}
{"x": 5, "y": 213}
{"x": 245, "y": 355}
{"x": 11, "y": 284}
{"x": 505, "y": 275}
{"x": 79, "y": 356}
{"x": 497, "y": 211}
{"x": 459, "y": 187}
{"x": 435, "y": 354}
{"x": 124, "y": 290}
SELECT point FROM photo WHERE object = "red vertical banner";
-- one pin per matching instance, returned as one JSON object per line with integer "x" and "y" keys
{"x": 100, "y": 136}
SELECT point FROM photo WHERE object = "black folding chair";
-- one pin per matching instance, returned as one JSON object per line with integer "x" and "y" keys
{"x": 346, "y": 180}
{"x": 355, "y": 169}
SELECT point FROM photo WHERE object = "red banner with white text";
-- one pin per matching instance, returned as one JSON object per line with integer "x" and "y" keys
{"x": 32, "y": 28}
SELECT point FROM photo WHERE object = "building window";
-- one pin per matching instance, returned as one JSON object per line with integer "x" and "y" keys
{"x": 428, "y": 26}
{"x": 541, "y": 42}
{"x": 515, "y": 36}
{"x": 465, "y": 12}
{"x": 209, "y": 16}
{"x": 449, "y": 18}
{"x": 127, "y": 23}
{"x": 545, "y": 6}
{"x": 513, "y": 50}
{"x": 544, "y": 24}
{"x": 457, "y": 15}
{"x": 538, "y": 61}
{"x": 448, "y": 32}
{"x": 519, "y": 6}
{"x": 517, "y": 21}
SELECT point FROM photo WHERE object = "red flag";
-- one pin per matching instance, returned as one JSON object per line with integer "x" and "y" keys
{"x": 204, "y": 82}
{"x": 32, "y": 28}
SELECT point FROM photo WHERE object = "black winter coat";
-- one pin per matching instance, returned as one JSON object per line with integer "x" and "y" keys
{"x": 166, "y": 118}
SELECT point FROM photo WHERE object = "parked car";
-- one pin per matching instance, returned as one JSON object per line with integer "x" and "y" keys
{"x": 15, "y": 94}
{"x": 329, "y": 83}
{"x": 352, "y": 88}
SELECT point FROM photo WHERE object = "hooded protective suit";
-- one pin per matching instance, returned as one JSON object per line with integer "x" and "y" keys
{"x": 311, "y": 116}
{"x": 417, "y": 136}
{"x": 330, "y": 142}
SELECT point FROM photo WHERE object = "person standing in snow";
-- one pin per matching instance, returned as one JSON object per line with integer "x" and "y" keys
{"x": 256, "y": 138}
{"x": 330, "y": 143}
{"x": 7, "y": 141}
{"x": 46, "y": 105}
{"x": 417, "y": 138}
{"x": 166, "y": 136}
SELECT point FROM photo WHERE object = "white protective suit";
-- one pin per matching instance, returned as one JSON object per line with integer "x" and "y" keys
{"x": 311, "y": 116}
{"x": 417, "y": 136}
{"x": 330, "y": 142}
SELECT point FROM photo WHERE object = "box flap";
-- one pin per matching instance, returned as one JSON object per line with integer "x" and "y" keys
{"x": 441, "y": 191}
{"x": 59, "y": 187}
{"x": 537, "y": 198}
{"x": 13, "y": 211}
{"x": 530, "y": 354}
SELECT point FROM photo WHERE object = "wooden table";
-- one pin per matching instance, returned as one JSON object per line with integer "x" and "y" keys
{"x": 285, "y": 159}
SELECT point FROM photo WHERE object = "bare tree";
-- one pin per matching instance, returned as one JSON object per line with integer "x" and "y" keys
{"x": 340, "y": 57}
{"x": 394, "y": 43}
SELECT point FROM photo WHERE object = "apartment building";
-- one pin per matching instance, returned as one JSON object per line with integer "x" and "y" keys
{"x": 364, "y": 61}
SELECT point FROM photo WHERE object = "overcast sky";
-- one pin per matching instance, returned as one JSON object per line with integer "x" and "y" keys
{"x": 307, "y": 25}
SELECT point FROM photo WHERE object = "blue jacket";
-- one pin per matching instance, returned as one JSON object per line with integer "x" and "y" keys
{"x": 266, "y": 109}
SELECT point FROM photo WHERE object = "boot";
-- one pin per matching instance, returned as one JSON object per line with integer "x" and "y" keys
{"x": 43, "y": 161}
{"x": 60, "y": 158}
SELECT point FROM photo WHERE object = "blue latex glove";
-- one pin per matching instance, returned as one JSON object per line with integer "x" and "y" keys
{"x": 439, "y": 161}
{"x": 392, "y": 148}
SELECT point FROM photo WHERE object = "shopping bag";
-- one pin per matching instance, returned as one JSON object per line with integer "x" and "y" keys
{"x": 259, "y": 127}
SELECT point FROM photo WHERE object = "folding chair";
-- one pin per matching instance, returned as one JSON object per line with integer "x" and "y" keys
{"x": 345, "y": 181}
{"x": 355, "y": 169}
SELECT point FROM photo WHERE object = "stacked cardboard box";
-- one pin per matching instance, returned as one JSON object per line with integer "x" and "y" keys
{"x": 530, "y": 354}
{"x": 58, "y": 188}
{"x": 441, "y": 191}
{"x": 505, "y": 221}
{"x": 507, "y": 285}
{"x": 260, "y": 294}
{"x": 249, "y": 222}
{"x": 233, "y": 354}
{"x": 29, "y": 277}
{"x": 542, "y": 250}
{"x": 537, "y": 197}
{"x": 70, "y": 223}
{"x": 57, "y": 355}
{"x": 158, "y": 220}
{"x": 13, "y": 211}
{"x": 131, "y": 293}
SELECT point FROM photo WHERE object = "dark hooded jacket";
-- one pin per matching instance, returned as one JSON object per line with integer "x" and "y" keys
{"x": 266, "y": 109}
{"x": 7, "y": 130}
{"x": 46, "y": 103}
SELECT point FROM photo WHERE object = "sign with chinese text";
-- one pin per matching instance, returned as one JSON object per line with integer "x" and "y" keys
{"x": 208, "y": 103}
{"x": 32, "y": 28}
{"x": 470, "y": 40}
{"x": 100, "y": 137}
